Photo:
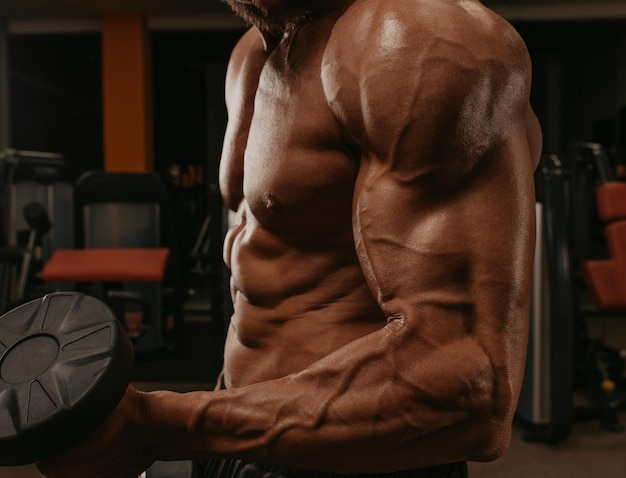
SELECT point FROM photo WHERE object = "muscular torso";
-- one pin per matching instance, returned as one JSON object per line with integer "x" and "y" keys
{"x": 299, "y": 291}
{"x": 291, "y": 171}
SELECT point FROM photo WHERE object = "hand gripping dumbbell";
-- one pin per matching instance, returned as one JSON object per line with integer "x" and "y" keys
{"x": 65, "y": 363}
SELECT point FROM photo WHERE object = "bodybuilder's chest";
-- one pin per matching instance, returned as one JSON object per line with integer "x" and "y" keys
{"x": 298, "y": 162}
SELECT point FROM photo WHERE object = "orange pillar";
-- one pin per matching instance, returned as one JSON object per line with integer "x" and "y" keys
{"x": 127, "y": 94}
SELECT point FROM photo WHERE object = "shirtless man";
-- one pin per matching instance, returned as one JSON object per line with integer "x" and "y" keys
{"x": 380, "y": 156}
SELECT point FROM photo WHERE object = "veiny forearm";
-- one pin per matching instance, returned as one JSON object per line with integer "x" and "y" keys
{"x": 372, "y": 406}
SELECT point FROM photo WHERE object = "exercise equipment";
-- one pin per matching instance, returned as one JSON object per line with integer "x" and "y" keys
{"x": 16, "y": 273}
{"x": 65, "y": 363}
{"x": 109, "y": 268}
{"x": 596, "y": 367}
{"x": 38, "y": 225}
{"x": 10, "y": 260}
{"x": 546, "y": 398}
{"x": 605, "y": 279}
{"x": 128, "y": 212}
{"x": 42, "y": 177}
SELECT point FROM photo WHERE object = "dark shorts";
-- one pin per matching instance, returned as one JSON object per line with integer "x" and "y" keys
{"x": 240, "y": 469}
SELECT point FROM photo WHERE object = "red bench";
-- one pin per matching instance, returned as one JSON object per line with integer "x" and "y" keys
{"x": 606, "y": 279}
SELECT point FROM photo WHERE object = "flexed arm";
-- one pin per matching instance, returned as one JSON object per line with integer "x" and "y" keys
{"x": 444, "y": 229}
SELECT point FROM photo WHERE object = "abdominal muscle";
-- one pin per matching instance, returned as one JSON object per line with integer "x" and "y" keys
{"x": 294, "y": 304}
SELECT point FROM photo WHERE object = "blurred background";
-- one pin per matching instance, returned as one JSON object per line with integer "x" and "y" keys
{"x": 136, "y": 86}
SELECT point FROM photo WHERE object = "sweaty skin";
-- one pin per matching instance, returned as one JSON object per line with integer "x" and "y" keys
{"x": 380, "y": 157}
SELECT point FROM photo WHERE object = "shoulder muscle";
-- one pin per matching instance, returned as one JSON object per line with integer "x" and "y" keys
{"x": 428, "y": 75}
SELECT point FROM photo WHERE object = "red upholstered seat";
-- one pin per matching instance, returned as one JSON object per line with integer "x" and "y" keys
{"x": 611, "y": 198}
{"x": 606, "y": 279}
{"x": 107, "y": 265}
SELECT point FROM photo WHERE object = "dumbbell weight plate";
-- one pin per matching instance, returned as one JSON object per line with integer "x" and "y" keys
{"x": 65, "y": 363}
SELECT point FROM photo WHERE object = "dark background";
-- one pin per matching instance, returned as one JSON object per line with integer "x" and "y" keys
{"x": 56, "y": 95}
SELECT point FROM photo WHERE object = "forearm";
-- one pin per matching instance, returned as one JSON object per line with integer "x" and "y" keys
{"x": 356, "y": 410}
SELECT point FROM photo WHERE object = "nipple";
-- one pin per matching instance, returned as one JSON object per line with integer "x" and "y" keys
{"x": 272, "y": 204}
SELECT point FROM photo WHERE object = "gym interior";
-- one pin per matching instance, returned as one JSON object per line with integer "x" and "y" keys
{"x": 112, "y": 111}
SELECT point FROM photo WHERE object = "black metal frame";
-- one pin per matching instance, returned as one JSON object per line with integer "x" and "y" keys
{"x": 119, "y": 187}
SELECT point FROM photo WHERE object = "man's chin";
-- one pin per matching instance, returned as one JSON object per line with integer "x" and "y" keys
{"x": 273, "y": 22}
{"x": 252, "y": 14}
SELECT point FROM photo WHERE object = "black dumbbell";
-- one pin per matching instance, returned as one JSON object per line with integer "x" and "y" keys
{"x": 65, "y": 363}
